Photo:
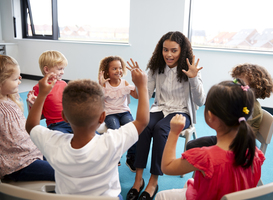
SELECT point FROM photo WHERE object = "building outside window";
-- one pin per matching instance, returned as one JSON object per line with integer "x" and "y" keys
{"x": 233, "y": 24}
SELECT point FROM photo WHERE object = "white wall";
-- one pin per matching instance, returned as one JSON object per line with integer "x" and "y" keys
{"x": 149, "y": 20}
{"x": 0, "y": 27}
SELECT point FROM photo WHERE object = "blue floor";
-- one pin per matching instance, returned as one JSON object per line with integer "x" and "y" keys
{"x": 165, "y": 181}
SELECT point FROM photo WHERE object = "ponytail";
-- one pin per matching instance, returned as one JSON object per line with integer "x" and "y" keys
{"x": 232, "y": 102}
{"x": 244, "y": 145}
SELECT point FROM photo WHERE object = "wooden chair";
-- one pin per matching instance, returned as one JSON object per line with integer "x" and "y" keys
{"x": 264, "y": 192}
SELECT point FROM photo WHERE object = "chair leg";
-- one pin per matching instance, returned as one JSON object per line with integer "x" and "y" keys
{"x": 194, "y": 135}
{"x": 260, "y": 182}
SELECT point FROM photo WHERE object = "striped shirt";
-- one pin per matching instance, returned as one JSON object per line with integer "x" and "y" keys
{"x": 17, "y": 151}
{"x": 172, "y": 97}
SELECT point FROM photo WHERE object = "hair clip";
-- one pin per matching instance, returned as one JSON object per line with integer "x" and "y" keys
{"x": 235, "y": 80}
{"x": 241, "y": 119}
{"x": 245, "y": 110}
{"x": 245, "y": 88}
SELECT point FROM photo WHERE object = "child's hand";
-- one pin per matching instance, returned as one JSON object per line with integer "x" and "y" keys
{"x": 177, "y": 124}
{"x": 102, "y": 80}
{"x": 47, "y": 83}
{"x": 138, "y": 76}
{"x": 31, "y": 97}
{"x": 193, "y": 70}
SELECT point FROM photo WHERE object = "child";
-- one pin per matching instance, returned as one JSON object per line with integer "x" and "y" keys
{"x": 20, "y": 159}
{"x": 52, "y": 61}
{"x": 261, "y": 83}
{"x": 233, "y": 164}
{"x": 85, "y": 163}
{"x": 116, "y": 92}
{"x": 178, "y": 89}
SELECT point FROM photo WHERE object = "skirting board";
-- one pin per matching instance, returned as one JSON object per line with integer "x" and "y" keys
{"x": 36, "y": 78}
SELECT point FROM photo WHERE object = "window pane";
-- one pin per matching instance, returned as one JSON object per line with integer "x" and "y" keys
{"x": 233, "y": 24}
{"x": 42, "y": 17}
{"x": 94, "y": 20}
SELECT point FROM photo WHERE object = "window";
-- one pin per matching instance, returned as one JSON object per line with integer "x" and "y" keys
{"x": 233, "y": 24}
{"x": 81, "y": 20}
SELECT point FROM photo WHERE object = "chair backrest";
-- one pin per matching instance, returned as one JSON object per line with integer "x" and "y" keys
{"x": 265, "y": 132}
{"x": 12, "y": 192}
{"x": 264, "y": 192}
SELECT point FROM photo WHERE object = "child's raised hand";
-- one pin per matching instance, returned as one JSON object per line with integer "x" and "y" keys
{"x": 102, "y": 80}
{"x": 31, "y": 97}
{"x": 138, "y": 76}
{"x": 193, "y": 70}
{"x": 133, "y": 66}
{"x": 177, "y": 124}
{"x": 47, "y": 83}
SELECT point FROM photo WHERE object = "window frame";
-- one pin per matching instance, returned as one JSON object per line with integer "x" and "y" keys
{"x": 28, "y": 27}
{"x": 26, "y": 12}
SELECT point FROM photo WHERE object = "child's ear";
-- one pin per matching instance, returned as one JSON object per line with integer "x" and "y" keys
{"x": 46, "y": 69}
{"x": 63, "y": 116}
{"x": 102, "y": 117}
{"x": 211, "y": 116}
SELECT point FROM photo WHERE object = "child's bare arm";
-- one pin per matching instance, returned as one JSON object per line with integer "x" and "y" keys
{"x": 45, "y": 86}
{"x": 133, "y": 93}
{"x": 170, "y": 165}
{"x": 140, "y": 80}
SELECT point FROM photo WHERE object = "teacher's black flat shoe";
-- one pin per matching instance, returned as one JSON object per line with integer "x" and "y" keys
{"x": 146, "y": 196}
{"x": 133, "y": 193}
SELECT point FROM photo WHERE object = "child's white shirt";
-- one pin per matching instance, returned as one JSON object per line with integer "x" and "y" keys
{"x": 90, "y": 170}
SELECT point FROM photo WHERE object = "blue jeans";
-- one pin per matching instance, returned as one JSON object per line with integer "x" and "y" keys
{"x": 61, "y": 126}
{"x": 39, "y": 170}
{"x": 114, "y": 121}
{"x": 158, "y": 129}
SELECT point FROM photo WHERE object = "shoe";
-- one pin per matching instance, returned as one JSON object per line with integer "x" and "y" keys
{"x": 146, "y": 196}
{"x": 130, "y": 163}
{"x": 119, "y": 163}
{"x": 133, "y": 193}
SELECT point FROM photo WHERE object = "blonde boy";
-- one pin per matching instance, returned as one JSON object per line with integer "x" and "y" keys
{"x": 52, "y": 61}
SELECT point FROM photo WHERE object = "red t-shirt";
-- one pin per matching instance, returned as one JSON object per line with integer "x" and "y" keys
{"x": 221, "y": 175}
{"x": 53, "y": 107}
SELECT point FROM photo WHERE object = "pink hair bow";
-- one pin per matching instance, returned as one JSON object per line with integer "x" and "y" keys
{"x": 245, "y": 88}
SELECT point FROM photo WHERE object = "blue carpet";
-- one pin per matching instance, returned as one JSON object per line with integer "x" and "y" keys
{"x": 169, "y": 182}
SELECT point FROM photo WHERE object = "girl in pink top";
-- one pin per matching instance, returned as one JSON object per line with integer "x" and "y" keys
{"x": 20, "y": 159}
{"x": 116, "y": 92}
{"x": 233, "y": 164}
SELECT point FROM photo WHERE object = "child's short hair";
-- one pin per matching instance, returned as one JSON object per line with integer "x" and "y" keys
{"x": 258, "y": 78}
{"x": 51, "y": 59}
{"x": 83, "y": 102}
{"x": 104, "y": 65}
